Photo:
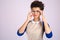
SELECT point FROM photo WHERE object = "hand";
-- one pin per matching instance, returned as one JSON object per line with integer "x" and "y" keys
{"x": 42, "y": 15}
{"x": 41, "y": 12}
{"x": 29, "y": 17}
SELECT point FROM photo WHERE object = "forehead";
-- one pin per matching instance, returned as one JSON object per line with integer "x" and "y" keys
{"x": 35, "y": 8}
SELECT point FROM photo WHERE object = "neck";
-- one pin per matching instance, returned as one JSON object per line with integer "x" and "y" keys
{"x": 36, "y": 19}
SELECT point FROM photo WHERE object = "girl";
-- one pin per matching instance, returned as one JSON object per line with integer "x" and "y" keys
{"x": 35, "y": 28}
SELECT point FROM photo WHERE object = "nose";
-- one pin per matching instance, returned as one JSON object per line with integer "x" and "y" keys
{"x": 35, "y": 12}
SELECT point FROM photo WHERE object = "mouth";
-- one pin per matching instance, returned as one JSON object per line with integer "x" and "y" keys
{"x": 35, "y": 15}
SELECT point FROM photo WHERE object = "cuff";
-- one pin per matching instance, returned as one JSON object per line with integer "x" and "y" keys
{"x": 49, "y": 35}
{"x": 19, "y": 34}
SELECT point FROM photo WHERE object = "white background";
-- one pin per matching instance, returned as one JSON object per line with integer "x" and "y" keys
{"x": 13, "y": 14}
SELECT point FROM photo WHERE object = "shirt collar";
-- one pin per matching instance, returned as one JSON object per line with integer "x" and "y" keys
{"x": 35, "y": 22}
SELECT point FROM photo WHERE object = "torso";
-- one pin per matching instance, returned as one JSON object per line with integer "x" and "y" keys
{"x": 35, "y": 31}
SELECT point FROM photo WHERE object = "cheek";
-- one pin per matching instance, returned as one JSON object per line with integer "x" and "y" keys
{"x": 32, "y": 14}
{"x": 38, "y": 15}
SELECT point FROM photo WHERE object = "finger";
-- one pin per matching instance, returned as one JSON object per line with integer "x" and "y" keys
{"x": 30, "y": 13}
{"x": 41, "y": 12}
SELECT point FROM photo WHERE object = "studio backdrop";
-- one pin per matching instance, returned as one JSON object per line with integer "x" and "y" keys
{"x": 13, "y": 14}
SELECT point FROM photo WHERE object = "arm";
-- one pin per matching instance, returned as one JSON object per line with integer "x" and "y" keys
{"x": 47, "y": 28}
{"x": 21, "y": 30}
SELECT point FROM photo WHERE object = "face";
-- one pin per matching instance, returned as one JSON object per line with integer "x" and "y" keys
{"x": 36, "y": 12}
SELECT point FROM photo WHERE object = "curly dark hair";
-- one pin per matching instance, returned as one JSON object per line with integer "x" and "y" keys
{"x": 37, "y": 4}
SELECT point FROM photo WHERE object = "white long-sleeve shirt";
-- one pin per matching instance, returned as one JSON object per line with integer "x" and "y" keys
{"x": 35, "y": 31}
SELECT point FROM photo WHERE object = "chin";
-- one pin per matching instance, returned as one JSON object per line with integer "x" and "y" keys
{"x": 35, "y": 17}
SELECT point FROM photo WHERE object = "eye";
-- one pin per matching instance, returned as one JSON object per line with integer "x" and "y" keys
{"x": 38, "y": 11}
{"x": 33, "y": 11}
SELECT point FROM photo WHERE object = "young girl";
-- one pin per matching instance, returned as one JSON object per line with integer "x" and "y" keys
{"x": 35, "y": 28}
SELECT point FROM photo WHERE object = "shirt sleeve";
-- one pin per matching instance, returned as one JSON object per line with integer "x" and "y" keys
{"x": 49, "y": 35}
{"x": 20, "y": 34}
